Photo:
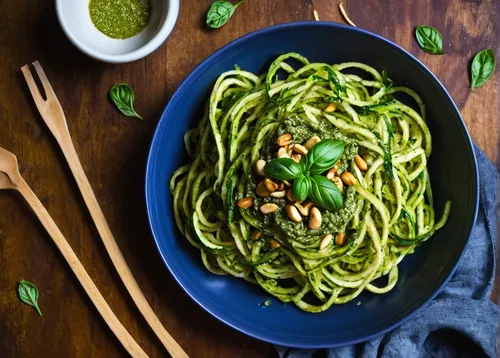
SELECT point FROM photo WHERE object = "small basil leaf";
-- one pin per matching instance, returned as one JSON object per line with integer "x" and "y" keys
{"x": 220, "y": 12}
{"x": 324, "y": 155}
{"x": 301, "y": 187}
{"x": 482, "y": 68}
{"x": 429, "y": 39}
{"x": 283, "y": 169}
{"x": 123, "y": 97}
{"x": 325, "y": 194}
{"x": 28, "y": 293}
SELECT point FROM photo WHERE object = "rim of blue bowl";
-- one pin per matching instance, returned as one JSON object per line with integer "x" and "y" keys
{"x": 290, "y": 25}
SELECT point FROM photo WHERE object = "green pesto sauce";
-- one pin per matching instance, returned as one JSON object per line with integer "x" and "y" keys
{"x": 333, "y": 221}
{"x": 119, "y": 19}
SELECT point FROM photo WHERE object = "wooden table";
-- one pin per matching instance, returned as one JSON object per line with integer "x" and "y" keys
{"x": 113, "y": 151}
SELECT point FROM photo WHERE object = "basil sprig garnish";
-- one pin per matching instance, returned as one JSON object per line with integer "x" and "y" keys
{"x": 220, "y": 12}
{"x": 429, "y": 39}
{"x": 307, "y": 181}
{"x": 123, "y": 97}
{"x": 28, "y": 293}
{"x": 482, "y": 68}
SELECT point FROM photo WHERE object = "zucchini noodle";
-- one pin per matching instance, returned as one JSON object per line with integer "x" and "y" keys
{"x": 388, "y": 208}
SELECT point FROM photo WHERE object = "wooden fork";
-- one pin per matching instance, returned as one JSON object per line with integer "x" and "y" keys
{"x": 10, "y": 178}
{"x": 53, "y": 115}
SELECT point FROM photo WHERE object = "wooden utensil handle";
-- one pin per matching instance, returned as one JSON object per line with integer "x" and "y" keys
{"x": 86, "y": 281}
{"x": 66, "y": 144}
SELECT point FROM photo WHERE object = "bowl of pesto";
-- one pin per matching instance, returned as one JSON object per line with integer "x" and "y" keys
{"x": 307, "y": 195}
{"x": 117, "y": 31}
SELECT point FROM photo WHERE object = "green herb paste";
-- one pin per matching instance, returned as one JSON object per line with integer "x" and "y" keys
{"x": 119, "y": 19}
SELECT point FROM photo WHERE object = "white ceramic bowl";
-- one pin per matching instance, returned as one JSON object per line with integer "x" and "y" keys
{"x": 75, "y": 20}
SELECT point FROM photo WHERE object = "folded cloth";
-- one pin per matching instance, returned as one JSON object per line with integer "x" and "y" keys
{"x": 461, "y": 321}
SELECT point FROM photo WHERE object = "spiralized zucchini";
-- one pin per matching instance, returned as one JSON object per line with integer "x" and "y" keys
{"x": 387, "y": 212}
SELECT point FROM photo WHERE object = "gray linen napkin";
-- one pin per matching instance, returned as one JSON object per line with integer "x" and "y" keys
{"x": 461, "y": 321}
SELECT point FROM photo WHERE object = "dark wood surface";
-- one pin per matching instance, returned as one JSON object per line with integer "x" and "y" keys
{"x": 113, "y": 151}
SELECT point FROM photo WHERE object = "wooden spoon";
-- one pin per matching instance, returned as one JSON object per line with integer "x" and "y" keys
{"x": 53, "y": 115}
{"x": 10, "y": 178}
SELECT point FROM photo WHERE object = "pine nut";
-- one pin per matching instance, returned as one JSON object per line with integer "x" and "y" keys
{"x": 274, "y": 244}
{"x": 279, "y": 194}
{"x": 259, "y": 167}
{"x": 287, "y": 183}
{"x": 300, "y": 149}
{"x": 290, "y": 196}
{"x": 297, "y": 157}
{"x": 293, "y": 213}
{"x": 338, "y": 182}
{"x": 361, "y": 163}
{"x": 289, "y": 149}
{"x": 268, "y": 208}
{"x": 368, "y": 158}
{"x": 325, "y": 242}
{"x": 340, "y": 239}
{"x": 331, "y": 108}
{"x": 284, "y": 140}
{"x": 256, "y": 235}
{"x": 330, "y": 174}
{"x": 261, "y": 190}
{"x": 312, "y": 142}
{"x": 282, "y": 153}
{"x": 315, "y": 219}
{"x": 348, "y": 178}
{"x": 245, "y": 203}
{"x": 304, "y": 209}
{"x": 281, "y": 185}
{"x": 270, "y": 185}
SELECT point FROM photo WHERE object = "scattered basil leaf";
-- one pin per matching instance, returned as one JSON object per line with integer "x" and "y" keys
{"x": 301, "y": 187}
{"x": 283, "y": 169}
{"x": 429, "y": 40}
{"x": 482, "y": 68}
{"x": 123, "y": 97}
{"x": 28, "y": 293}
{"x": 323, "y": 156}
{"x": 325, "y": 194}
{"x": 220, "y": 12}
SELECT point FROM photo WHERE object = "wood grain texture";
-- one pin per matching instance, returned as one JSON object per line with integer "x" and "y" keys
{"x": 113, "y": 151}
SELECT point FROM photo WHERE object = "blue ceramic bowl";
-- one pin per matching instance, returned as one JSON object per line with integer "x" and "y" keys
{"x": 422, "y": 275}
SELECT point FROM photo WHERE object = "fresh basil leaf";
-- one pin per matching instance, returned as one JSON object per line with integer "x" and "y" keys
{"x": 28, "y": 293}
{"x": 283, "y": 169}
{"x": 323, "y": 156}
{"x": 123, "y": 97}
{"x": 429, "y": 40}
{"x": 220, "y": 12}
{"x": 325, "y": 194}
{"x": 301, "y": 187}
{"x": 482, "y": 68}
